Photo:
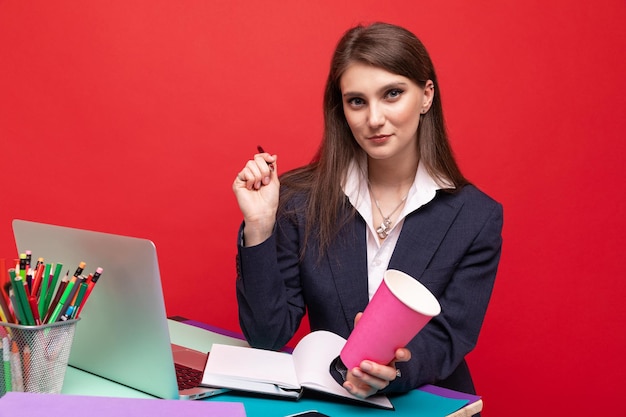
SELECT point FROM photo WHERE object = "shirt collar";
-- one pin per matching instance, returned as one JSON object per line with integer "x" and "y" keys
{"x": 422, "y": 190}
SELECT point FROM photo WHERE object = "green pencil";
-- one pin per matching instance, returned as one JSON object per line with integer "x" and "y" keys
{"x": 52, "y": 287}
{"x": 44, "y": 291}
{"x": 21, "y": 298}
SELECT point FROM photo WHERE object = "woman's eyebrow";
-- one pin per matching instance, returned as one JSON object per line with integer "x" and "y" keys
{"x": 382, "y": 89}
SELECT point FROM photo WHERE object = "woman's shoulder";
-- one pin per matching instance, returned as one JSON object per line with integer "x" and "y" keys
{"x": 472, "y": 207}
{"x": 475, "y": 193}
{"x": 471, "y": 196}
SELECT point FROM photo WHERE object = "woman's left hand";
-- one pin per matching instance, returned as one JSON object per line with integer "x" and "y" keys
{"x": 370, "y": 377}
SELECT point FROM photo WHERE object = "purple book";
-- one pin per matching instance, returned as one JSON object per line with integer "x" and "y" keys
{"x": 46, "y": 405}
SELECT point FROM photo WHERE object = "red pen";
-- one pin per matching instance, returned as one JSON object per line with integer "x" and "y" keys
{"x": 260, "y": 149}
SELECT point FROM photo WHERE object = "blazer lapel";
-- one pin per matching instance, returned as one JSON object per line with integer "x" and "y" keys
{"x": 347, "y": 257}
{"x": 421, "y": 234}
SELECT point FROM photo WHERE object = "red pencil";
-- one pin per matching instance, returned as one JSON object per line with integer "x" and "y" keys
{"x": 32, "y": 300}
{"x": 37, "y": 280}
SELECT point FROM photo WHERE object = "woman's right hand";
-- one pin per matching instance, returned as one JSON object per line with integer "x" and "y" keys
{"x": 256, "y": 188}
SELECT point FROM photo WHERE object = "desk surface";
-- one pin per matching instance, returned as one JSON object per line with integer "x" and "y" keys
{"x": 415, "y": 403}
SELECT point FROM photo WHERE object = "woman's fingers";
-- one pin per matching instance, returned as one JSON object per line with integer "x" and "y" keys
{"x": 257, "y": 171}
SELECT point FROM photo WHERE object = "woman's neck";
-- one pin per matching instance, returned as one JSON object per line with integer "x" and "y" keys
{"x": 391, "y": 174}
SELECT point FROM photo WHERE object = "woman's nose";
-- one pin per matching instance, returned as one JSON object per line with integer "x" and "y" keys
{"x": 376, "y": 116}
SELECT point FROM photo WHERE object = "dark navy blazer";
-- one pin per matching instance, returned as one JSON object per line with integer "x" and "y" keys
{"x": 451, "y": 245}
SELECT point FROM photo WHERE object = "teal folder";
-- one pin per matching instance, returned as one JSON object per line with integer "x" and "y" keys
{"x": 414, "y": 403}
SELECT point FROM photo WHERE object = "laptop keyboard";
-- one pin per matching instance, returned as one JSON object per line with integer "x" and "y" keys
{"x": 187, "y": 377}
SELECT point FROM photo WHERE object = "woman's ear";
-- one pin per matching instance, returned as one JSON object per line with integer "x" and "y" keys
{"x": 429, "y": 95}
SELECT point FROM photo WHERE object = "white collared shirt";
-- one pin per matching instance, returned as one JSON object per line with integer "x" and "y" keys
{"x": 379, "y": 253}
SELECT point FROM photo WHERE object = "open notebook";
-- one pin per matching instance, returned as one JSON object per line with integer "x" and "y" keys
{"x": 123, "y": 332}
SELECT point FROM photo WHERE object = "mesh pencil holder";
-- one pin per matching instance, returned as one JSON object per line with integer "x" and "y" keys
{"x": 38, "y": 356}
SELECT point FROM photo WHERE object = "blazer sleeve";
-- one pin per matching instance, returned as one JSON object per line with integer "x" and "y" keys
{"x": 269, "y": 294}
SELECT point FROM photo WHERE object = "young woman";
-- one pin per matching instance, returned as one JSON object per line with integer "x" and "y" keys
{"x": 382, "y": 192}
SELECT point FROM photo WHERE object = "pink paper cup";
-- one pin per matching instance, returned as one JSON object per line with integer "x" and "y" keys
{"x": 399, "y": 309}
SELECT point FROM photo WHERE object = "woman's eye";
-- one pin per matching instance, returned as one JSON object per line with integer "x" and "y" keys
{"x": 356, "y": 102}
{"x": 395, "y": 93}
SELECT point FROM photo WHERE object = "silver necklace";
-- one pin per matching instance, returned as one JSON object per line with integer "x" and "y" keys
{"x": 385, "y": 226}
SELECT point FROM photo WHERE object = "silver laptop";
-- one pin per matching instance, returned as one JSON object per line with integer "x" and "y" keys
{"x": 123, "y": 333}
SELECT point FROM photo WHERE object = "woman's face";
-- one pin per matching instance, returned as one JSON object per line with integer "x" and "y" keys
{"x": 383, "y": 110}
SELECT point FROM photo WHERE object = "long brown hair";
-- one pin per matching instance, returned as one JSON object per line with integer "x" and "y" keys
{"x": 398, "y": 51}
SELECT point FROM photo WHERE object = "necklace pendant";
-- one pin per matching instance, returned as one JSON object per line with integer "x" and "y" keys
{"x": 383, "y": 229}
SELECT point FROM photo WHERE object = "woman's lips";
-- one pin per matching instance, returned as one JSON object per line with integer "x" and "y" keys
{"x": 378, "y": 139}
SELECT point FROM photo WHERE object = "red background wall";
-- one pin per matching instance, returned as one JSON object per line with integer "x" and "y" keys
{"x": 133, "y": 117}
